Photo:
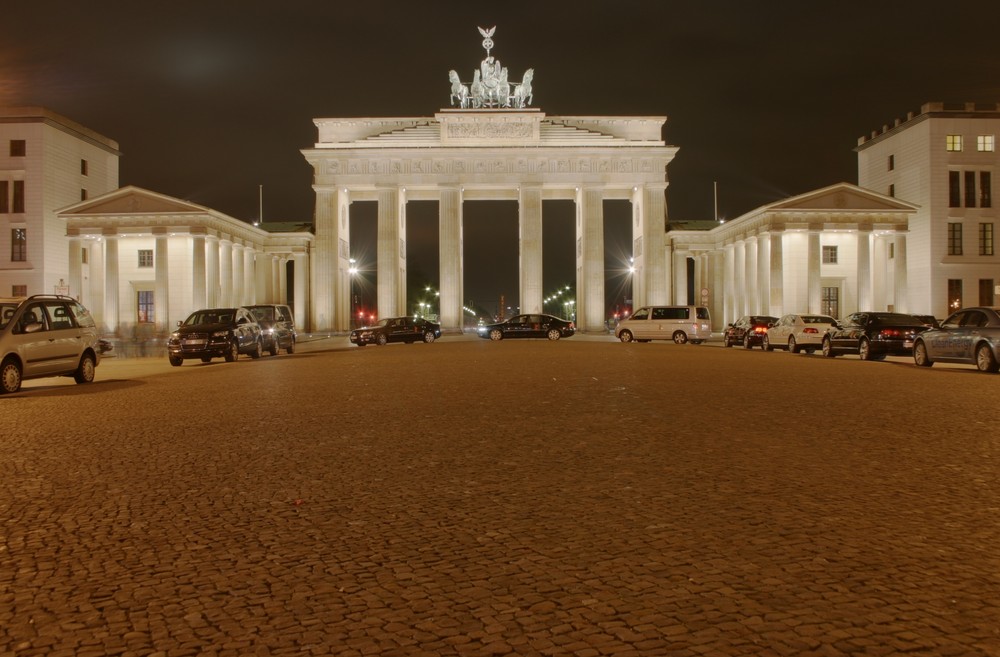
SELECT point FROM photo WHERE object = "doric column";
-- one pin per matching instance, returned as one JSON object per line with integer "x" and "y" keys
{"x": 391, "y": 251}
{"x": 681, "y": 278}
{"x": 451, "y": 259}
{"x": 276, "y": 277}
{"x": 717, "y": 275}
{"x": 238, "y": 279}
{"x": 212, "y": 271}
{"x": 777, "y": 271}
{"x": 301, "y": 290}
{"x": 753, "y": 298}
{"x": 530, "y": 234}
{"x": 740, "y": 279}
{"x": 262, "y": 270}
{"x": 249, "y": 276}
{"x": 668, "y": 268}
{"x": 902, "y": 304}
{"x": 161, "y": 288}
{"x": 226, "y": 297}
{"x": 656, "y": 269}
{"x": 764, "y": 276}
{"x": 864, "y": 268}
{"x": 282, "y": 280}
{"x": 590, "y": 259}
{"x": 199, "y": 296}
{"x": 97, "y": 282}
{"x": 111, "y": 318}
{"x": 730, "y": 285}
{"x": 813, "y": 259}
{"x": 638, "y": 259}
{"x": 76, "y": 268}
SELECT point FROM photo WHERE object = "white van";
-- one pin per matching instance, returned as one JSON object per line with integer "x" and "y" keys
{"x": 678, "y": 323}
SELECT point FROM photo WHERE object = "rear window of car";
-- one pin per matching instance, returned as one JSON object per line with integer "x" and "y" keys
{"x": 703, "y": 313}
{"x": 817, "y": 319}
{"x": 83, "y": 316}
{"x": 896, "y": 318}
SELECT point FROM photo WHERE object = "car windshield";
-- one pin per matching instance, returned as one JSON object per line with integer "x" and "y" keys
{"x": 218, "y": 316}
{"x": 6, "y": 313}
{"x": 263, "y": 313}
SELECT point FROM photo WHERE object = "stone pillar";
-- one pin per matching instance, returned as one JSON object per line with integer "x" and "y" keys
{"x": 740, "y": 279}
{"x": 753, "y": 297}
{"x": 262, "y": 271}
{"x": 76, "y": 268}
{"x": 902, "y": 304}
{"x": 199, "y": 296}
{"x": 668, "y": 266}
{"x": 391, "y": 252}
{"x": 249, "y": 276}
{"x": 530, "y": 238}
{"x": 111, "y": 318}
{"x": 301, "y": 290}
{"x": 282, "y": 280}
{"x": 97, "y": 282}
{"x": 657, "y": 270}
{"x": 864, "y": 268}
{"x": 680, "y": 259}
{"x": 776, "y": 273}
{"x": 226, "y": 297}
{"x": 212, "y": 272}
{"x": 590, "y": 260}
{"x": 717, "y": 267}
{"x": 730, "y": 286}
{"x": 638, "y": 259}
{"x": 813, "y": 259}
{"x": 275, "y": 296}
{"x": 764, "y": 277}
{"x": 451, "y": 259}
{"x": 161, "y": 289}
{"x": 238, "y": 279}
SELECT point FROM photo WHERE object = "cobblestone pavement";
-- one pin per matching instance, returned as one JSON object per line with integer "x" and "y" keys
{"x": 526, "y": 498}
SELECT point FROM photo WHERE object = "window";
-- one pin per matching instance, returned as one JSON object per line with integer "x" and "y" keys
{"x": 4, "y": 197}
{"x": 954, "y": 189}
{"x": 144, "y": 304}
{"x": 18, "y": 290}
{"x": 970, "y": 189}
{"x": 986, "y": 291}
{"x": 985, "y": 192}
{"x": 892, "y": 250}
{"x": 17, "y": 203}
{"x": 985, "y": 143}
{"x": 953, "y": 143}
{"x": 145, "y": 257}
{"x": 986, "y": 239}
{"x": 829, "y": 255}
{"x": 18, "y": 244}
{"x": 18, "y": 148}
{"x": 892, "y": 162}
{"x": 954, "y": 294}
{"x": 83, "y": 255}
{"x": 830, "y": 302}
{"x": 84, "y": 168}
{"x": 892, "y": 190}
{"x": 954, "y": 239}
{"x": 83, "y": 195}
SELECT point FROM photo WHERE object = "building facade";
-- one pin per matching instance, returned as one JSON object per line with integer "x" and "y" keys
{"x": 47, "y": 162}
{"x": 944, "y": 161}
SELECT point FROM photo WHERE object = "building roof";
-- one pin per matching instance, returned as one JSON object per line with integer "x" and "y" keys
{"x": 31, "y": 114}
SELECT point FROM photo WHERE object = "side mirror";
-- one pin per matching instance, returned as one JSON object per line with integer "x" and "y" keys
{"x": 33, "y": 327}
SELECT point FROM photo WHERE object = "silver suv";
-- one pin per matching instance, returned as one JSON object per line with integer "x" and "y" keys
{"x": 46, "y": 335}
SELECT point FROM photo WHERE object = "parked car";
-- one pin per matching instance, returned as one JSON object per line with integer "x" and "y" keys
{"x": 277, "y": 327}
{"x": 873, "y": 335}
{"x": 678, "y": 323}
{"x": 798, "y": 332}
{"x": 748, "y": 331}
{"x": 397, "y": 329}
{"x": 971, "y": 335}
{"x": 46, "y": 335}
{"x": 929, "y": 320}
{"x": 529, "y": 326}
{"x": 214, "y": 333}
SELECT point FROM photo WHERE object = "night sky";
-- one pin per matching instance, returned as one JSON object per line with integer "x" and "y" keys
{"x": 209, "y": 99}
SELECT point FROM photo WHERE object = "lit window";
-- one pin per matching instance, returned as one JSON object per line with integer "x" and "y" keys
{"x": 985, "y": 143}
{"x": 145, "y": 257}
{"x": 829, "y": 255}
{"x": 144, "y": 305}
{"x": 954, "y": 239}
{"x": 18, "y": 244}
{"x": 986, "y": 239}
{"x": 954, "y": 294}
{"x": 953, "y": 142}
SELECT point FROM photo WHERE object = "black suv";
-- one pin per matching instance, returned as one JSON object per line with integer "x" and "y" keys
{"x": 873, "y": 336}
{"x": 215, "y": 332}
{"x": 277, "y": 327}
{"x": 748, "y": 331}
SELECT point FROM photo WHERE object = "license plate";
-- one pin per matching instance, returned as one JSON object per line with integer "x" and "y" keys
{"x": 195, "y": 342}
{"x": 908, "y": 343}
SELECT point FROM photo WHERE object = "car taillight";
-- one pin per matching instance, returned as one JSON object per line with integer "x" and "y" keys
{"x": 809, "y": 330}
{"x": 890, "y": 333}
{"x": 760, "y": 329}
{"x": 571, "y": 325}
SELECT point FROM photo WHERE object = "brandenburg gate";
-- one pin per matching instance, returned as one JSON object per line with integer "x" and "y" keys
{"x": 490, "y": 145}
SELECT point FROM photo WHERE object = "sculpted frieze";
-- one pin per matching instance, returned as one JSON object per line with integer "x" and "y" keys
{"x": 376, "y": 166}
{"x": 491, "y": 130}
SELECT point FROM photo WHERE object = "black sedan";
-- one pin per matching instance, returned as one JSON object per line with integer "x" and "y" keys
{"x": 529, "y": 326}
{"x": 397, "y": 329}
{"x": 748, "y": 331}
{"x": 873, "y": 335}
{"x": 215, "y": 332}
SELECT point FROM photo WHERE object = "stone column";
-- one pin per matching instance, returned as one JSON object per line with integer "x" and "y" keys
{"x": 111, "y": 319}
{"x": 262, "y": 270}
{"x": 276, "y": 277}
{"x": 249, "y": 275}
{"x": 451, "y": 259}
{"x": 530, "y": 238}
{"x": 717, "y": 267}
{"x": 814, "y": 283}
{"x": 330, "y": 278}
{"x": 638, "y": 259}
{"x": 764, "y": 276}
{"x": 902, "y": 304}
{"x": 776, "y": 273}
{"x": 864, "y": 268}
{"x": 238, "y": 282}
{"x": 391, "y": 252}
{"x": 97, "y": 282}
{"x": 590, "y": 260}
{"x": 226, "y": 276}
{"x": 212, "y": 272}
{"x": 668, "y": 267}
{"x": 161, "y": 289}
{"x": 199, "y": 296}
{"x": 740, "y": 279}
{"x": 657, "y": 270}
{"x": 681, "y": 279}
{"x": 282, "y": 280}
{"x": 76, "y": 268}
{"x": 301, "y": 290}
{"x": 753, "y": 298}
{"x": 730, "y": 285}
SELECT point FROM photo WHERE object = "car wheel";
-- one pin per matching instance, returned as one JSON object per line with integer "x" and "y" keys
{"x": 10, "y": 376}
{"x": 429, "y": 337}
{"x": 680, "y": 337}
{"x": 766, "y": 344}
{"x": 258, "y": 349}
{"x": 232, "y": 352}
{"x": 625, "y": 336}
{"x": 291, "y": 347}
{"x": 273, "y": 349}
{"x": 985, "y": 360}
{"x": 177, "y": 361}
{"x": 381, "y": 339}
{"x": 553, "y": 334}
{"x": 828, "y": 348}
{"x": 204, "y": 359}
{"x": 85, "y": 372}
{"x": 865, "y": 349}
{"x": 496, "y": 334}
{"x": 746, "y": 341}
{"x": 920, "y": 356}
{"x": 793, "y": 348}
